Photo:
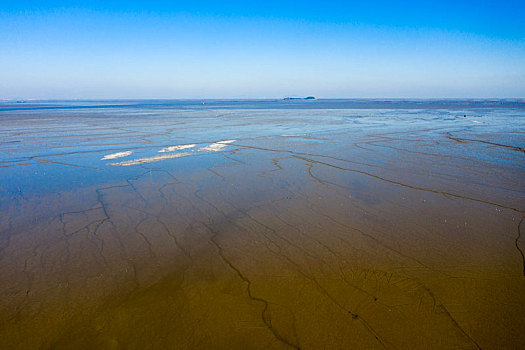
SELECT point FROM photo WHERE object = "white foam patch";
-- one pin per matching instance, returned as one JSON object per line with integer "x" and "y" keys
{"x": 117, "y": 155}
{"x": 214, "y": 147}
{"x": 151, "y": 159}
{"x": 176, "y": 148}
{"x": 217, "y": 146}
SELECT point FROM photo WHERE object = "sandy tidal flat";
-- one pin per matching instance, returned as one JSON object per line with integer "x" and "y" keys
{"x": 245, "y": 226}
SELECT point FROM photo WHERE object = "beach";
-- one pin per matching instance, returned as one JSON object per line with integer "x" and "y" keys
{"x": 262, "y": 224}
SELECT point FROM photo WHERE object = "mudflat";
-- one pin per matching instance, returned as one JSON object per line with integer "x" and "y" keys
{"x": 262, "y": 225}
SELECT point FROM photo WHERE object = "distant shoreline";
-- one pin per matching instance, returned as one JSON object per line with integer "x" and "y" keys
{"x": 6, "y": 106}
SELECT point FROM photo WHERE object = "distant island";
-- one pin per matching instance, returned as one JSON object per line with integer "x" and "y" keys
{"x": 299, "y": 98}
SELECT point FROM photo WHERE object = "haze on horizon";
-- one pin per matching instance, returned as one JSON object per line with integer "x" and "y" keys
{"x": 125, "y": 49}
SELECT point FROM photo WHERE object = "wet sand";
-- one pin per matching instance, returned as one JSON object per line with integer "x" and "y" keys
{"x": 244, "y": 227}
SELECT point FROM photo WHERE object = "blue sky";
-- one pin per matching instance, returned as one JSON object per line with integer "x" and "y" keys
{"x": 231, "y": 49}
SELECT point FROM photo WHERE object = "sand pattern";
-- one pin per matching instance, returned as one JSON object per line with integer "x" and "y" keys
{"x": 303, "y": 229}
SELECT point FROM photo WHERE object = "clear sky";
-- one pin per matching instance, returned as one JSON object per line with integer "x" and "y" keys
{"x": 238, "y": 49}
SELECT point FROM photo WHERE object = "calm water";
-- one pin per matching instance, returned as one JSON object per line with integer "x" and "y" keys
{"x": 262, "y": 224}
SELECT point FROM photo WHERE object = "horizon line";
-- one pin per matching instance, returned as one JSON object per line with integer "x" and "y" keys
{"x": 254, "y": 98}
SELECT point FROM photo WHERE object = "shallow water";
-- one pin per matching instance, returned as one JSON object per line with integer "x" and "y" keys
{"x": 262, "y": 224}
